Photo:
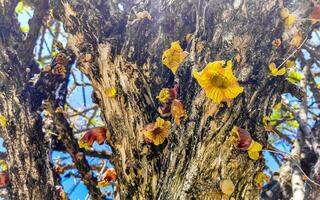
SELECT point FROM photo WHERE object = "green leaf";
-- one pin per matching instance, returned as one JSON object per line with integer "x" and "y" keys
{"x": 41, "y": 62}
{"x": 24, "y": 29}
{"x": 294, "y": 77}
{"x": 20, "y": 7}
{"x": 293, "y": 123}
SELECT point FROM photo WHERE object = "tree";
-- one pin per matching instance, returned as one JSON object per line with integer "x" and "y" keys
{"x": 128, "y": 51}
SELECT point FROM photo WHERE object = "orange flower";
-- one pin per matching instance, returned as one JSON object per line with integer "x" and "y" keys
{"x": 157, "y": 132}
{"x": 98, "y": 134}
{"x": 177, "y": 111}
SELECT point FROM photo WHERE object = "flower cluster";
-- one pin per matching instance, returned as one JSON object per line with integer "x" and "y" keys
{"x": 170, "y": 105}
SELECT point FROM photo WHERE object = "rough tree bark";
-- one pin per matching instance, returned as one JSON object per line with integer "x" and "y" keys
{"x": 128, "y": 56}
{"x": 27, "y": 146}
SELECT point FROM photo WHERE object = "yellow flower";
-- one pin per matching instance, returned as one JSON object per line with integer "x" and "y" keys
{"x": 111, "y": 91}
{"x": 289, "y": 21}
{"x": 218, "y": 82}
{"x": 3, "y": 121}
{"x": 275, "y": 71}
{"x": 227, "y": 187}
{"x": 157, "y": 132}
{"x": 261, "y": 178}
{"x": 164, "y": 95}
{"x": 266, "y": 123}
{"x": 254, "y": 149}
{"x": 173, "y": 57}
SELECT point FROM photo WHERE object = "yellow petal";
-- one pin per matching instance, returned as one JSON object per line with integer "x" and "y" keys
{"x": 284, "y": 13}
{"x": 227, "y": 187}
{"x": 233, "y": 92}
{"x": 253, "y": 155}
{"x": 254, "y": 149}
{"x": 281, "y": 72}
{"x": 216, "y": 95}
{"x": 173, "y": 57}
{"x": 3, "y": 121}
{"x": 296, "y": 40}
{"x": 111, "y": 92}
{"x": 255, "y": 146}
{"x": 289, "y": 21}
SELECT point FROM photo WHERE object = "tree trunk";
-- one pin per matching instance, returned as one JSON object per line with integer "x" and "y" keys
{"x": 127, "y": 56}
{"x": 27, "y": 146}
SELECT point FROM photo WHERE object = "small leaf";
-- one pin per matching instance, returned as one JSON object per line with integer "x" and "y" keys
{"x": 20, "y": 7}
{"x": 24, "y": 29}
{"x": 294, "y": 77}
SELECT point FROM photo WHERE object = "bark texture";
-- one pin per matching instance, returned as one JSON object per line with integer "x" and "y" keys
{"x": 127, "y": 56}
{"x": 27, "y": 146}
